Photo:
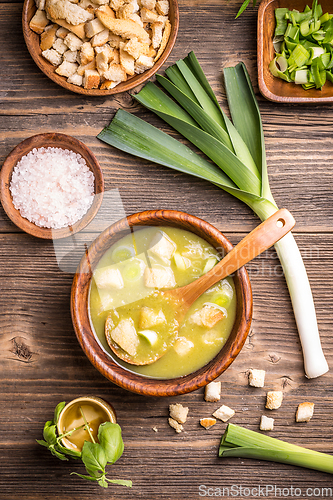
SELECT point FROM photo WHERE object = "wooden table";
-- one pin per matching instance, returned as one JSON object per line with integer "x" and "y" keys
{"x": 41, "y": 360}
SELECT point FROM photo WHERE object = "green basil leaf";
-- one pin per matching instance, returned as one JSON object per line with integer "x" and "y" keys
{"x": 43, "y": 443}
{"x": 50, "y": 432}
{"x": 103, "y": 483}
{"x": 93, "y": 456}
{"x": 67, "y": 451}
{"x": 57, "y": 411}
{"x": 122, "y": 482}
{"x": 57, "y": 454}
{"x": 84, "y": 477}
{"x": 109, "y": 436}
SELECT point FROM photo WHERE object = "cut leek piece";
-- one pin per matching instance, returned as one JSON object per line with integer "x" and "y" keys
{"x": 243, "y": 443}
{"x": 229, "y": 172}
{"x": 209, "y": 264}
{"x": 150, "y": 335}
{"x": 182, "y": 263}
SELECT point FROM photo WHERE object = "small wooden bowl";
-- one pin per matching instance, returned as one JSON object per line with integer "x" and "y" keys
{"x": 104, "y": 362}
{"x": 273, "y": 88}
{"x": 32, "y": 41}
{"x": 57, "y": 141}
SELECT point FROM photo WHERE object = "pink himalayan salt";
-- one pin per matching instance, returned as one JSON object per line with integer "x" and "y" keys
{"x": 52, "y": 187}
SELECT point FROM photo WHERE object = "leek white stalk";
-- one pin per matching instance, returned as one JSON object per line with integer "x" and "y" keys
{"x": 237, "y": 151}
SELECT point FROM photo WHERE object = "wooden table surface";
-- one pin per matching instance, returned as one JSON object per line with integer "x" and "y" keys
{"x": 41, "y": 360}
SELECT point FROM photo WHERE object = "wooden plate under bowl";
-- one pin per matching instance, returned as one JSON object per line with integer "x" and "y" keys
{"x": 274, "y": 88}
{"x": 57, "y": 141}
{"x": 32, "y": 41}
{"x": 103, "y": 361}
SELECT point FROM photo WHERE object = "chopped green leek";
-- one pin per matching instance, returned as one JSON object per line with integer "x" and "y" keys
{"x": 239, "y": 163}
{"x": 303, "y": 38}
{"x": 243, "y": 443}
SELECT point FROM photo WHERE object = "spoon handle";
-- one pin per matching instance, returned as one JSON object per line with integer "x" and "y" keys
{"x": 256, "y": 242}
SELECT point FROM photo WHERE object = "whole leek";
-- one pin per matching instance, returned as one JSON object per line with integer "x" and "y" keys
{"x": 243, "y": 443}
{"x": 239, "y": 166}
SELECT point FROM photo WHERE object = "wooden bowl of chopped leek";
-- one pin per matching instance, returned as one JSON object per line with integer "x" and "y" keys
{"x": 51, "y": 185}
{"x": 99, "y": 50}
{"x": 116, "y": 297}
{"x": 295, "y": 63}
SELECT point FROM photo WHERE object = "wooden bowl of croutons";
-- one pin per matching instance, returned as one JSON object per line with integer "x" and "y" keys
{"x": 100, "y": 47}
{"x": 113, "y": 293}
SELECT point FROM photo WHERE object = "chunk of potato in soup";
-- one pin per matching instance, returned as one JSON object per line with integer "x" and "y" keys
{"x": 133, "y": 323}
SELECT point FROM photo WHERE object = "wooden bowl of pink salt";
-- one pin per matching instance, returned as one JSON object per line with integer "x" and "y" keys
{"x": 51, "y": 185}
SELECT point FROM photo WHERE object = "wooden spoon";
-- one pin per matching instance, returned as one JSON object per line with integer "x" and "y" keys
{"x": 255, "y": 243}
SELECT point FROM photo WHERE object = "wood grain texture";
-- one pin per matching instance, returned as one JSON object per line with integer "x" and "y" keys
{"x": 41, "y": 361}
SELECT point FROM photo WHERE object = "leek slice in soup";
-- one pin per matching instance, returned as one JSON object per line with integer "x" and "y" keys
{"x": 136, "y": 325}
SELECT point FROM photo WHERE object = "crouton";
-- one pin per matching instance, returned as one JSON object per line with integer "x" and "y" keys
{"x": 182, "y": 346}
{"x": 70, "y": 12}
{"x": 71, "y": 56}
{"x": 152, "y": 53}
{"x": 135, "y": 48}
{"x": 84, "y": 67}
{"x": 175, "y": 425}
{"x": 116, "y": 73}
{"x": 178, "y": 412}
{"x": 148, "y": 16}
{"x": 75, "y": 79}
{"x": 165, "y": 39}
{"x": 100, "y": 38}
{"x": 257, "y": 378}
{"x": 126, "y": 61}
{"x": 107, "y": 51}
{"x": 124, "y": 335}
{"x": 66, "y": 69}
{"x": 157, "y": 277}
{"x": 148, "y": 317}
{"x": 213, "y": 392}
{"x": 85, "y": 3}
{"x": 91, "y": 79}
{"x": 60, "y": 46}
{"x": 108, "y": 85}
{"x": 87, "y": 53}
{"x": 208, "y": 422}
{"x": 125, "y": 11}
{"x": 274, "y": 400}
{"x": 40, "y": 4}
{"x": 114, "y": 41}
{"x": 93, "y": 27}
{"x": 148, "y": 4}
{"x": 101, "y": 63}
{"x": 52, "y": 56}
{"x": 137, "y": 19}
{"x": 157, "y": 32}
{"x": 116, "y": 4}
{"x": 162, "y": 246}
{"x": 126, "y": 28}
{"x": 224, "y": 413}
{"x": 39, "y": 22}
{"x": 48, "y": 37}
{"x": 162, "y": 7}
{"x": 208, "y": 316}
{"x": 101, "y": 2}
{"x": 143, "y": 63}
{"x": 73, "y": 42}
{"x": 78, "y": 30}
{"x": 304, "y": 412}
{"x": 62, "y": 32}
{"x": 108, "y": 277}
{"x": 266, "y": 423}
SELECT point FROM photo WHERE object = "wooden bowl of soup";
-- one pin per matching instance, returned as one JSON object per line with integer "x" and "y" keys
{"x": 129, "y": 262}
